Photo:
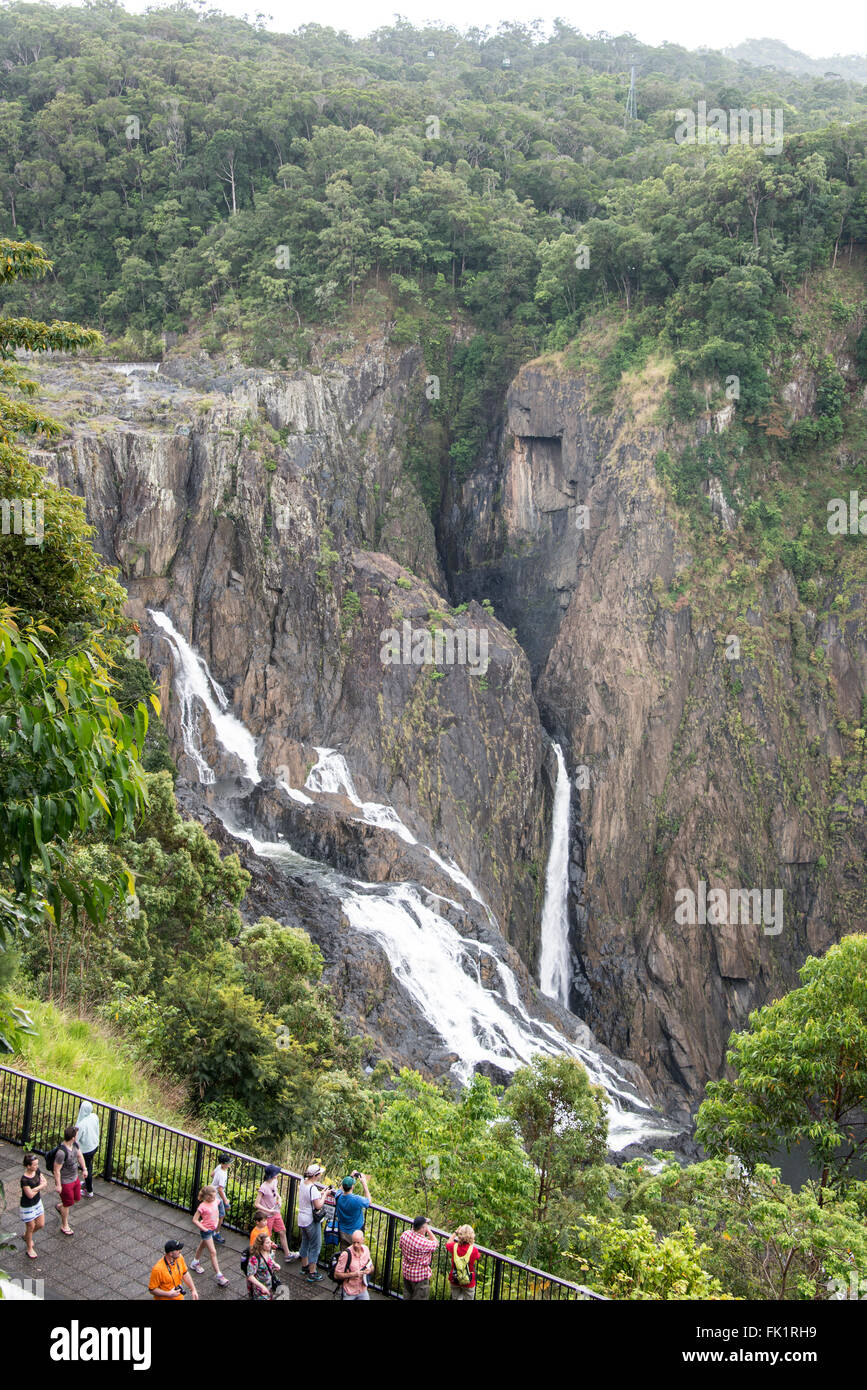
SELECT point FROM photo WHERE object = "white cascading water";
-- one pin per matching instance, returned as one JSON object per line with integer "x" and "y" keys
{"x": 439, "y": 968}
{"x": 331, "y": 774}
{"x": 195, "y": 682}
{"x": 554, "y": 971}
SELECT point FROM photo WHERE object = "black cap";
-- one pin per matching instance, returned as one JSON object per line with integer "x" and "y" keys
{"x": 419, "y": 1221}
{"x": 171, "y": 1245}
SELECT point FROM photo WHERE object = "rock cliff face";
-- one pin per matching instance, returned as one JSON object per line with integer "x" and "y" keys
{"x": 701, "y": 759}
{"x": 256, "y": 511}
{"x": 253, "y": 512}
{"x": 270, "y": 517}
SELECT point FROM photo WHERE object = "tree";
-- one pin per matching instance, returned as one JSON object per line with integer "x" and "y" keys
{"x": 189, "y": 895}
{"x": 764, "y": 1240}
{"x": 561, "y": 1119}
{"x": 631, "y": 1262}
{"x": 69, "y": 756}
{"x": 69, "y": 762}
{"x": 454, "y": 1158}
{"x": 801, "y": 1071}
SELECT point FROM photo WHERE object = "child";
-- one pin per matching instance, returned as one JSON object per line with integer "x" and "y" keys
{"x": 206, "y": 1219}
{"x": 220, "y": 1181}
{"x": 260, "y": 1226}
{"x": 32, "y": 1211}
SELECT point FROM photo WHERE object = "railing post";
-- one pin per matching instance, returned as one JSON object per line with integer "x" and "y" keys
{"x": 27, "y": 1122}
{"x": 108, "y": 1162}
{"x": 290, "y": 1216}
{"x": 197, "y": 1175}
{"x": 497, "y": 1288}
{"x": 391, "y": 1227}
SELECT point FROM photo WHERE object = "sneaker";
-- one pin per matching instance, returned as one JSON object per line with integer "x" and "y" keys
{"x": 89, "y": 1194}
{"x": 221, "y": 1240}
{"x": 222, "y": 1280}
{"x": 196, "y": 1267}
{"x": 315, "y": 1278}
{"x": 294, "y": 1255}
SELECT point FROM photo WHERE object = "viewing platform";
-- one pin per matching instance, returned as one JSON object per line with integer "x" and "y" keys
{"x": 147, "y": 1177}
{"x": 119, "y": 1236}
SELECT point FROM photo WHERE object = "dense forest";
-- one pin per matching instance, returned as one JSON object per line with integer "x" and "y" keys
{"x": 187, "y": 176}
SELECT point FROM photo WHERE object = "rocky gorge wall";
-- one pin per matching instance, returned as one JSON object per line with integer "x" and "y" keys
{"x": 693, "y": 766}
{"x": 269, "y": 514}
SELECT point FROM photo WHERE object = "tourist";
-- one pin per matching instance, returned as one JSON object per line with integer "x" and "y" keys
{"x": 417, "y": 1249}
{"x": 32, "y": 1212}
{"x": 260, "y": 1225}
{"x": 351, "y": 1209}
{"x": 311, "y": 1202}
{"x": 465, "y": 1256}
{"x": 220, "y": 1181}
{"x": 88, "y": 1138}
{"x": 262, "y": 1282}
{"x": 269, "y": 1200}
{"x": 352, "y": 1268}
{"x": 68, "y": 1165}
{"x": 169, "y": 1274}
{"x": 206, "y": 1219}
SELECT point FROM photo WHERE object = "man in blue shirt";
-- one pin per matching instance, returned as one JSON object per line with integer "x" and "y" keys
{"x": 351, "y": 1208}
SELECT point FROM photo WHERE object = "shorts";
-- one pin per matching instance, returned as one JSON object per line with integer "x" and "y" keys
{"x": 462, "y": 1292}
{"x": 221, "y": 1206}
{"x": 416, "y": 1289}
{"x": 207, "y": 1235}
{"x": 70, "y": 1193}
{"x": 275, "y": 1223}
{"x": 31, "y": 1213}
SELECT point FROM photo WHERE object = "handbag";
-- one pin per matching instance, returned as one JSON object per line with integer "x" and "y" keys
{"x": 319, "y": 1215}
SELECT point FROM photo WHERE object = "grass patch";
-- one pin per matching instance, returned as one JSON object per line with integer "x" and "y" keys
{"x": 89, "y": 1057}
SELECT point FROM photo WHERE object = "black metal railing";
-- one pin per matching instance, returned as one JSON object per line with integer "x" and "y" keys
{"x": 170, "y": 1166}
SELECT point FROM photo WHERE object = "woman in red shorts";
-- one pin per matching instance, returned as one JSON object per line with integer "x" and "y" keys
{"x": 68, "y": 1160}
{"x": 268, "y": 1200}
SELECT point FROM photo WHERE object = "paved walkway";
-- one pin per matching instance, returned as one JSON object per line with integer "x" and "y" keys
{"x": 119, "y": 1236}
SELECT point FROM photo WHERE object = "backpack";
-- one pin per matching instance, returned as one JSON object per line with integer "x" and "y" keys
{"x": 332, "y": 1267}
{"x": 51, "y": 1155}
{"x": 461, "y": 1267}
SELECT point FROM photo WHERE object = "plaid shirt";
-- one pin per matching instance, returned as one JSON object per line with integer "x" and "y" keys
{"x": 417, "y": 1252}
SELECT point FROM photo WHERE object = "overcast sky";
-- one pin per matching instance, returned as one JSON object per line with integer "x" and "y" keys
{"x": 819, "y": 30}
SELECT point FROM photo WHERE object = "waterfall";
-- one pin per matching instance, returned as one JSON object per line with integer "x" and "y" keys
{"x": 195, "y": 682}
{"x": 461, "y": 987}
{"x": 331, "y": 775}
{"x": 554, "y": 971}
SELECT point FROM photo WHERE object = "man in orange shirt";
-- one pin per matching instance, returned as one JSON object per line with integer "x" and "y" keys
{"x": 170, "y": 1273}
